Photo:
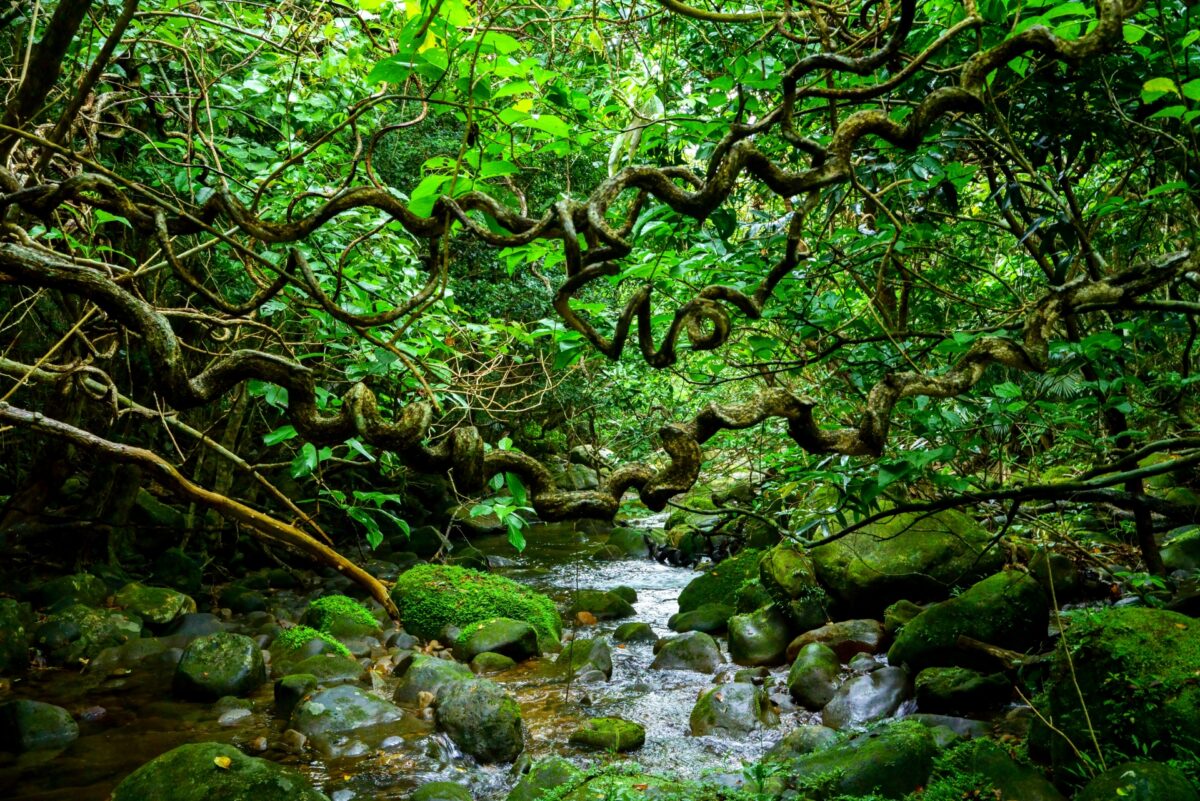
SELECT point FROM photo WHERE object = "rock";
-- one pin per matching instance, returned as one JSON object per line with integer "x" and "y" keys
{"x": 692, "y": 651}
{"x": 845, "y": 639}
{"x": 242, "y": 600}
{"x": 430, "y": 597}
{"x": 199, "y": 772}
{"x": 441, "y": 791}
{"x": 812, "y": 680}
{"x": 890, "y": 762}
{"x": 960, "y": 771}
{"x": 615, "y": 735}
{"x": 804, "y": 739}
{"x": 291, "y": 689}
{"x": 339, "y": 710}
{"x": 1137, "y": 668}
{"x": 489, "y": 663}
{"x": 751, "y": 596}
{"x": 426, "y": 674}
{"x": 867, "y": 698}
{"x": 426, "y": 541}
{"x": 1008, "y": 610}
{"x": 35, "y": 726}
{"x": 629, "y": 541}
{"x": 332, "y": 669}
{"x": 1181, "y": 549}
{"x": 1054, "y": 570}
{"x": 341, "y": 617}
{"x": 732, "y": 708}
{"x": 601, "y": 604}
{"x": 219, "y": 664}
{"x": 15, "y": 620}
{"x": 789, "y": 577}
{"x": 959, "y": 691}
{"x": 481, "y": 719}
{"x": 1139, "y": 781}
{"x": 176, "y": 569}
{"x": 864, "y": 663}
{"x": 546, "y": 774}
{"x": 961, "y": 727}
{"x": 470, "y": 557}
{"x": 476, "y": 526}
{"x": 80, "y": 632}
{"x": 189, "y": 627}
{"x": 908, "y": 556}
{"x": 623, "y": 591}
{"x": 154, "y": 605}
{"x": 59, "y": 593}
{"x": 720, "y": 583}
{"x": 709, "y": 618}
{"x": 578, "y": 477}
{"x": 515, "y": 639}
{"x": 582, "y": 655}
{"x": 759, "y": 638}
{"x": 634, "y": 632}
{"x": 127, "y": 655}
{"x": 898, "y": 614}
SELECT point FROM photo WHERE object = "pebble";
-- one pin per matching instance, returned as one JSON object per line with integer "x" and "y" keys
{"x": 233, "y": 717}
{"x": 293, "y": 741}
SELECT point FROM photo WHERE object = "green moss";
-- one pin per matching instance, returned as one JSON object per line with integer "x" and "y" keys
{"x": 721, "y": 583}
{"x": 430, "y": 597}
{"x": 325, "y": 610}
{"x": 295, "y": 637}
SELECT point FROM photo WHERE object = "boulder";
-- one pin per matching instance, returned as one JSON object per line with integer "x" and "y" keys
{"x": 582, "y": 656}
{"x": 1139, "y": 781}
{"x": 35, "y": 726}
{"x": 339, "y": 710}
{"x": 331, "y": 669}
{"x": 78, "y": 633}
{"x": 614, "y": 735}
{"x": 721, "y": 582}
{"x": 515, "y": 639}
{"x": 1008, "y": 610}
{"x": 157, "y": 606}
{"x": 59, "y": 593}
{"x": 898, "y": 614}
{"x": 601, "y": 604}
{"x": 812, "y": 680}
{"x": 1056, "y": 572}
{"x": 845, "y": 639}
{"x": 626, "y": 592}
{"x": 15, "y": 621}
{"x": 481, "y": 719}
{"x": 908, "y": 556}
{"x": 341, "y": 617}
{"x": 960, "y": 691}
{"x": 488, "y": 663}
{"x": 982, "y": 768}
{"x": 890, "y": 762}
{"x": 804, "y": 739}
{"x": 291, "y": 689}
{"x": 867, "y": 698}
{"x": 426, "y": 674}
{"x": 759, "y": 638}
{"x": 629, "y": 542}
{"x": 732, "y": 708}
{"x": 545, "y": 774}
{"x": 751, "y": 596}
{"x": 709, "y": 618}
{"x": 634, "y": 632}
{"x": 214, "y": 772}
{"x": 220, "y": 664}
{"x": 430, "y": 597}
{"x": 692, "y": 651}
{"x": 441, "y": 791}
{"x": 788, "y": 576}
{"x": 1181, "y": 549}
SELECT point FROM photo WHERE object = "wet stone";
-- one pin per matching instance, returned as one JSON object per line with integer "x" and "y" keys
{"x": 35, "y": 726}
{"x": 867, "y": 698}
{"x": 694, "y": 651}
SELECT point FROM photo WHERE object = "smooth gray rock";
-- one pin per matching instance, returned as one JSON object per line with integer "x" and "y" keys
{"x": 867, "y": 698}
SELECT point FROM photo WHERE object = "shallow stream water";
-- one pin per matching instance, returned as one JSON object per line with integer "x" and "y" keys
{"x": 127, "y": 716}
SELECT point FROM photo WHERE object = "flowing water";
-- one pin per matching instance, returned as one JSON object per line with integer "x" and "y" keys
{"x": 127, "y": 716}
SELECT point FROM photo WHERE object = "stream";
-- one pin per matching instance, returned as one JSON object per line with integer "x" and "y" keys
{"x": 128, "y": 716}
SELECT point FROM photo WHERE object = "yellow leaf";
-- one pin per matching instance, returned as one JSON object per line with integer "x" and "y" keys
{"x": 222, "y": 762}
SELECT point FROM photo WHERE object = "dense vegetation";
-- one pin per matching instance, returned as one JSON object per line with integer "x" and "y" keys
{"x": 366, "y": 279}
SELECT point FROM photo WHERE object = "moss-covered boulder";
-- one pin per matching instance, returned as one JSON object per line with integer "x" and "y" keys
{"x": 78, "y": 633}
{"x": 897, "y": 615}
{"x": 291, "y": 690}
{"x": 692, "y": 651}
{"x": 1009, "y": 610}
{"x": 543, "y": 775}
{"x": 326, "y": 713}
{"x": 721, "y": 582}
{"x": 710, "y": 618}
{"x": 812, "y": 679}
{"x": 629, "y": 541}
{"x": 214, "y": 772}
{"x": 441, "y": 791}
{"x": 515, "y": 639}
{"x": 789, "y": 577}
{"x": 982, "y": 768}
{"x": 1058, "y": 575}
{"x": 960, "y": 691}
{"x": 431, "y": 597}
{"x": 481, "y": 719}
{"x": 488, "y": 663}
{"x": 426, "y": 674}
{"x": 759, "y": 638}
{"x": 583, "y": 656}
{"x": 341, "y": 617}
{"x": 615, "y": 735}
{"x": 803, "y": 740}
{"x": 332, "y": 669}
{"x": 751, "y": 595}
{"x": 158, "y": 606}
{"x": 15, "y": 621}
{"x": 220, "y": 664}
{"x": 635, "y": 631}
{"x": 732, "y": 708}
{"x": 601, "y": 604}
{"x": 909, "y": 556}
{"x": 1139, "y": 781}
{"x": 1139, "y": 671}
{"x": 59, "y": 593}
{"x": 1181, "y": 549}
{"x": 847, "y": 638}
{"x": 35, "y": 726}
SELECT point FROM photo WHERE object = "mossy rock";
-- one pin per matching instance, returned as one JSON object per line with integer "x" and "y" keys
{"x": 1181, "y": 549}
{"x": 751, "y": 596}
{"x": 1008, "y": 610}
{"x": 290, "y": 690}
{"x": 692, "y": 651}
{"x": 709, "y": 618}
{"x": 15, "y": 621}
{"x": 789, "y": 577}
{"x": 431, "y": 597}
{"x": 583, "y": 654}
{"x": 545, "y": 774}
{"x": 812, "y": 679}
{"x": 732, "y": 708}
{"x": 908, "y": 556}
{"x": 295, "y": 644}
{"x": 59, "y": 593}
{"x": 802, "y": 740}
{"x": 1138, "y": 670}
{"x": 342, "y": 709}
{"x": 635, "y": 631}
{"x": 218, "y": 665}
{"x": 340, "y": 616}
{"x": 488, "y": 663}
{"x": 981, "y": 768}
{"x": 154, "y": 605}
{"x": 759, "y": 638}
{"x": 615, "y": 735}
{"x": 721, "y": 582}
{"x": 960, "y": 691}
{"x": 332, "y": 669}
{"x": 441, "y": 791}
{"x": 601, "y": 604}
{"x": 628, "y": 593}
{"x": 35, "y": 726}
{"x": 80, "y": 633}
{"x": 898, "y": 614}
{"x": 889, "y": 763}
{"x": 515, "y": 639}
{"x": 420, "y": 673}
{"x": 629, "y": 542}
{"x": 214, "y": 772}
{"x": 1139, "y": 781}
{"x": 481, "y": 719}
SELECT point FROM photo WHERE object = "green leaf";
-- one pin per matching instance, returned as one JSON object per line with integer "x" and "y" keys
{"x": 1155, "y": 88}
{"x": 516, "y": 488}
{"x": 103, "y": 217}
{"x": 305, "y": 462}
{"x": 281, "y": 434}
